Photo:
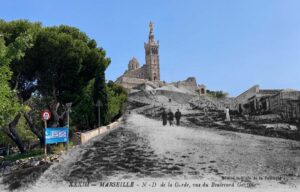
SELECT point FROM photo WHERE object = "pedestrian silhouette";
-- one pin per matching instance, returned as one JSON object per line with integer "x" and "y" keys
{"x": 205, "y": 111}
{"x": 227, "y": 118}
{"x": 164, "y": 116}
{"x": 177, "y": 117}
{"x": 170, "y": 117}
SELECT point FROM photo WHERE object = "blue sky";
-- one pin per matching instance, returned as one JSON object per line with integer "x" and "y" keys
{"x": 227, "y": 45}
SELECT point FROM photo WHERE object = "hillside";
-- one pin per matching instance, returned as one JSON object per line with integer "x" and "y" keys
{"x": 203, "y": 111}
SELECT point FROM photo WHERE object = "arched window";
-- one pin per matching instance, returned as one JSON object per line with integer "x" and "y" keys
{"x": 154, "y": 50}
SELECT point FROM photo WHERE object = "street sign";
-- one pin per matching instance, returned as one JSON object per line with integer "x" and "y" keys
{"x": 99, "y": 103}
{"x": 46, "y": 115}
{"x": 56, "y": 135}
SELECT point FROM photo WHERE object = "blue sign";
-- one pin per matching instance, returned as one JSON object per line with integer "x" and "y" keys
{"x": 56, "y": 135}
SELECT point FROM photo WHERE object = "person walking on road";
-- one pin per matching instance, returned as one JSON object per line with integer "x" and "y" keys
{"x": 177, "y": 117}
{"x": 170, "y": 117}
{"x": 164, "y": 116}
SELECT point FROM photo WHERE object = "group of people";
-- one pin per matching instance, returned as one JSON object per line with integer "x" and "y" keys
{"x": 170, "y": 117}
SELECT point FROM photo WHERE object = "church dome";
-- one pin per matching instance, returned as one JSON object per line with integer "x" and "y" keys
{"x": 133, "y": 64}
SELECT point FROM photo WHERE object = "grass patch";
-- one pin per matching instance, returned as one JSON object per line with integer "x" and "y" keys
{"x": 55, "y": 149}
{"x": 58, "y": 148}
{"x": 18, "y": 156}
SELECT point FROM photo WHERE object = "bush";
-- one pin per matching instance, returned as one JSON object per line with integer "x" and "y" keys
{"x": 18, "y": 156}
{"x": 116, "y": 100}
{"x": 216, "y": 94}
{"x": 83, "y": 116}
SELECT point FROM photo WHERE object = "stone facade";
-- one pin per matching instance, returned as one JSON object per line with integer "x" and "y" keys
{"x": 254, "y": 98}
{"x": 136, "y": 75}
{"x": 284, "y": 102}
{"x": 191, "y": 84}
{"x": 152, "y": 57}
{"x": 148, "y": 72}
{"x": 130, "y": 82}
{"x": 243, "y": 98}
{"x": 201, "y": 89}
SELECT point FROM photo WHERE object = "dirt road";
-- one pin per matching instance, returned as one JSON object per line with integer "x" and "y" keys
{"x": 143, "y": 149}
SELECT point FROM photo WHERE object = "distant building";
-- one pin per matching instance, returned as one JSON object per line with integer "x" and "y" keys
{"x": 190, "y": 84}
{"x": 201, "y": 89}
{"x": 285, "y": 102}
{"x": 149, "y": 73}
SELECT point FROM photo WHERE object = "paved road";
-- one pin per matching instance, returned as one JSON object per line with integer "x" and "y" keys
{"x": 144, "y": 149}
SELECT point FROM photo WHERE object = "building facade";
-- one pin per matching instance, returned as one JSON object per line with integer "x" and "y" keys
{"x": 149, "y": 73}
{"x": 136, "y": 74}
{"x": 284, "y": 102}
{"x": 152, "y": 57}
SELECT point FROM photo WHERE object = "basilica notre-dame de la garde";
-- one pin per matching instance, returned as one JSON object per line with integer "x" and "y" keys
{"x": 149, "y": 73}
{"x": 137, "y": 74}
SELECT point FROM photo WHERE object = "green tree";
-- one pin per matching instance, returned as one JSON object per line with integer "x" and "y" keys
{"x": 18, "y": 38}
{"x": 8, "y": 102}
{"x": 100, "y": 93}
{"x": 65, "y": 60}
{"x": 83, "y": 116}
{"x": 33, "y": 117}
{"x": 20, "y": 35}
{"x": 116, "y": 99}
{"x": 9, "y": 105}
{"x": 49, "y": 67}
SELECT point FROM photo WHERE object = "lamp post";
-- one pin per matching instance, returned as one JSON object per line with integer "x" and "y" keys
{"x": 99, "y": 104}
{"x": 69, "y": 105}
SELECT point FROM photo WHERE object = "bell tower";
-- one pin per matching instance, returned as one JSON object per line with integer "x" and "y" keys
{"x": 152, "y": 57}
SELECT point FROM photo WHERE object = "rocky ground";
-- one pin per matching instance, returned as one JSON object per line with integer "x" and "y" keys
{"x": 205, "y": 112}
{"x": 142, "y": 149}
{"x": 23, "y": 172}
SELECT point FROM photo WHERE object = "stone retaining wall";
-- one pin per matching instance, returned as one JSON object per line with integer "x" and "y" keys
{"x": 86, "y": 136}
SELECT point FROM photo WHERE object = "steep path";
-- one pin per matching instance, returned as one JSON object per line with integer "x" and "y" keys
{"x": 143, "y": 149}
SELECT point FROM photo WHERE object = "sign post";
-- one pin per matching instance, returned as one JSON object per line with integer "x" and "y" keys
{"x": 45, "y": 121}
{"x": 46, "y": 115}
{"x": 69, "y": 105}
{"x": 56, "y": 135}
